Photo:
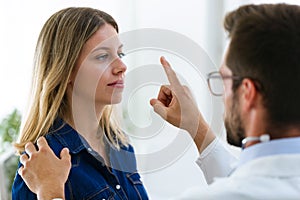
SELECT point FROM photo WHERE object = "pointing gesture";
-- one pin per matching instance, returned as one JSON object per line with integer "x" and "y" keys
{"x": 176, "y": 105}
{"x": 172, "y": 77}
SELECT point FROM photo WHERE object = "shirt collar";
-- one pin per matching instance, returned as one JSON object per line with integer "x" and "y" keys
{"x": 75, "y": 142}
{"x": 273, "y": 147}
{"x": 122, "y": 160}
{"x": 67, "y": 136}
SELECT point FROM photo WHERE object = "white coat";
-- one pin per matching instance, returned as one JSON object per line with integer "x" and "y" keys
{"x": 270, "y": 177}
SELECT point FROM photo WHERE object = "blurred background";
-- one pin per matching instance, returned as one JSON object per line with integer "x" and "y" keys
{"x": 189, "y": 33}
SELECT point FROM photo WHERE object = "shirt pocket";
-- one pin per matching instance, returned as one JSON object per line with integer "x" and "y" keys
{"x": 135, "y": 180}
{"x": 103, "y": 194}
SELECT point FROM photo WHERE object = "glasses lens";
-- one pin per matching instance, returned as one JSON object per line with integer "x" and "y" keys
{"x": 216, "y": 85}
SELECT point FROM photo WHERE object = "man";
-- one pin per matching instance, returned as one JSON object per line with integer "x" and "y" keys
{"x": 261, "y": 94}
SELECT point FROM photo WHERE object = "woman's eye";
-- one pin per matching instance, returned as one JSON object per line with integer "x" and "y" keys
{"x": 121, "y": 55}
{"x": 102, "y": 57}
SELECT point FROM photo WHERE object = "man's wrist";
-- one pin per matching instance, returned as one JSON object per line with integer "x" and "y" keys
{"x": 50, "y": 196}
{"x": 203, "y": 137}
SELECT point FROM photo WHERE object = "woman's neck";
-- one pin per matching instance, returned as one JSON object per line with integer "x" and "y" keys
{"x": 85, "y": 117}
{"x": 86, "y": 123}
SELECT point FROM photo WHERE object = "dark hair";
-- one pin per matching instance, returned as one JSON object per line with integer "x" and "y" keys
{"x": 265, "y": 47}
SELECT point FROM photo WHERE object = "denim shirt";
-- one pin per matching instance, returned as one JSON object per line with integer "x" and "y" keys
{"x": 89, "y": 177}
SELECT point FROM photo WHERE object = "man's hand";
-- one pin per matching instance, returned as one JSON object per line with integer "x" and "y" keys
{"x": 43, "y": 172}
{"x": 176, "y": 105}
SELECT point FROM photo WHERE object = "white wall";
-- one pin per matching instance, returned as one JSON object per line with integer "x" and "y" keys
{"x": 168, "y": 167}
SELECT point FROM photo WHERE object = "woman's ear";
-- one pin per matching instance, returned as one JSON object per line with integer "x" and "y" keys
{"x": 72, "y": 77}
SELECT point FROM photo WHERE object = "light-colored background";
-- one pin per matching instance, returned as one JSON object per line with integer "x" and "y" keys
{"x": 198, "y": 20}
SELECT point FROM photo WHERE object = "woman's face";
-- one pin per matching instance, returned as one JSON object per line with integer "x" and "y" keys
{"x": 99, "y": 72}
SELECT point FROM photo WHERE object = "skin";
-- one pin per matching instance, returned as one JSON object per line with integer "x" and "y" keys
{"x": 232, "y": 117}
{"x": 176, "y": 105}
{"x": 57, "y": 167}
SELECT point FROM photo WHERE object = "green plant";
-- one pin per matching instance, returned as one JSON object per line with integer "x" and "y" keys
{"x": 9, "y": 130}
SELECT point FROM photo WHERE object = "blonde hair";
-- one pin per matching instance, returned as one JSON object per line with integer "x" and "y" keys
{"x": 58, "y": 47}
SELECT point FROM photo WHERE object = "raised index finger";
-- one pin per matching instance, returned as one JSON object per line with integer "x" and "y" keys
{"x": 172, "y": 77}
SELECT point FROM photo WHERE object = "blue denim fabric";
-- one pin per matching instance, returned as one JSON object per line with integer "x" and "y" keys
{"x": 89, "y": 177}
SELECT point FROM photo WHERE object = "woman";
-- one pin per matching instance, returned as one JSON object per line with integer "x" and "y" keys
{"x": 78, "y": 75}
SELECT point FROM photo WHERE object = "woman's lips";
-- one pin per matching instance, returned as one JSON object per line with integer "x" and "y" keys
{"x": 117, "y": 84}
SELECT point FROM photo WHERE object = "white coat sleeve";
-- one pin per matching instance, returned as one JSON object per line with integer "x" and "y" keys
{"x": 216, "y": 160}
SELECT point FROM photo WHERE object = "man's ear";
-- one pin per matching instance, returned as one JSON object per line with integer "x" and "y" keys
{"x": 249, "y": 94}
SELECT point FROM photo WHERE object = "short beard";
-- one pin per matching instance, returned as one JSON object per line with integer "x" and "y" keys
{"x": 233, "y": 123}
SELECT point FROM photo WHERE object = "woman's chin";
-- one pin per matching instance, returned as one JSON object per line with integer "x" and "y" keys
{"x": 116, "y": 100}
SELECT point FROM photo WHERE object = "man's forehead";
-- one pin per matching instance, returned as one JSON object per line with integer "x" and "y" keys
{"x": 224, "y": 70}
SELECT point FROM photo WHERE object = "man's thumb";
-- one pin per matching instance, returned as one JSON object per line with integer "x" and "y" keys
{"x": 159, "y": 108}
{"x": 64, "y": 154}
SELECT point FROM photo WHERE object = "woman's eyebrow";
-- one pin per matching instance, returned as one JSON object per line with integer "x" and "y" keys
{"x": 105, "y": 48}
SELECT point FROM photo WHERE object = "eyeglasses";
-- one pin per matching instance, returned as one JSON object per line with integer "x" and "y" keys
{"x": 215, "y": 81}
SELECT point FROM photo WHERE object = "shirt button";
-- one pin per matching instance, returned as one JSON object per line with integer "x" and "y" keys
{"x": 118, "y": 187}
{"x": 89, "y": 149}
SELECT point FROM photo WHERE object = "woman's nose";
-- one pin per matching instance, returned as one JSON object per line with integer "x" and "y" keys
{"x": 118, "y": 66}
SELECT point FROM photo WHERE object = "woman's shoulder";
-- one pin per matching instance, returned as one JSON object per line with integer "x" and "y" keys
{"x": 60, "y": 135}
{"x": 127, "y": 147}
